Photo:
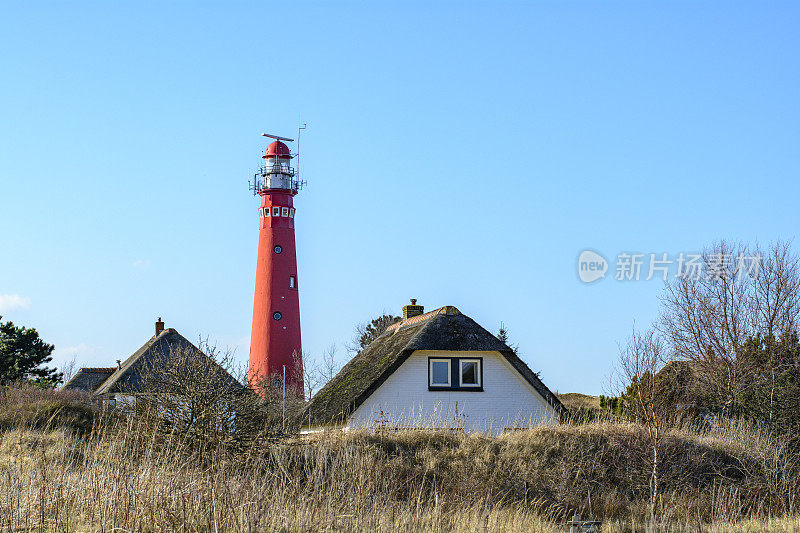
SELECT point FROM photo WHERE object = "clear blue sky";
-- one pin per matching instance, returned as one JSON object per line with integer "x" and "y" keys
{"x": 459, "y": 153}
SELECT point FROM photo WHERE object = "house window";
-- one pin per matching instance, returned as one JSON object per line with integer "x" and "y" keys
{"x": 292, "y": 282}
{"x": 470, "y": 372}
{"x": 463, "y": 374}
{"x": 276, "y": 211}
{"x": 439, "y": 371}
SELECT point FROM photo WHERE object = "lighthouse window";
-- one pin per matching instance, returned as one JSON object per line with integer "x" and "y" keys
{"x": 265, "y": 211}
{"x": 291, "y": 213}
{"x": 284, "y": 211}
{"x": 278, "y": 249}
{"x": 276, "y": 211}
{"x": 277, "y": 315}
{"x": 292, "y": 282}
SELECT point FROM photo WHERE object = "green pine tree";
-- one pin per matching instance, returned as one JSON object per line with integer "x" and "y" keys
{"x": 23, "y": 355}
{"x": 374, "y": 329}
{"x": 503, "y": 337}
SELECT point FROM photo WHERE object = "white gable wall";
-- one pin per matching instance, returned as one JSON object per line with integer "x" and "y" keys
{"x": 404, "y": 401}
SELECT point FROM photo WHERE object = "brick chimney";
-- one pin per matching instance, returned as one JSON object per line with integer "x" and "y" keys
{"x": 159, "y": 326}
{"x": 413, "y": 309}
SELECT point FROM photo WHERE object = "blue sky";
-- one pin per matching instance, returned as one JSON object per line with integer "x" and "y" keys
{"x": 459, "y": 153}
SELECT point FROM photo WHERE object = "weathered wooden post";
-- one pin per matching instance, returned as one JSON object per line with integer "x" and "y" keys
{"x": 575, "y": 524}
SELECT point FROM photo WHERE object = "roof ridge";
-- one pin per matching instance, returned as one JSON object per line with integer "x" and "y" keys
{"x": 444, "y": 310}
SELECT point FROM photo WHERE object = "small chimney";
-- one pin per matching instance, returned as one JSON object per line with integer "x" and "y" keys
{"x": 159, "y": 326}
{"x": 119, "y": 363}
{"x": 413, "y": 309}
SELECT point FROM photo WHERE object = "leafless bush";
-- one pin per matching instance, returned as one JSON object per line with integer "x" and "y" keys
{"x": 196, "y": 395}
{"x": 707, "y": 319}
{"x": 640, "y": 360}
{"x": 69, "y": 369}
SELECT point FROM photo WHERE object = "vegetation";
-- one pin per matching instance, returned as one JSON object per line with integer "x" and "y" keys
{"x": 366, "y": 332}
{"x": 502, "y": 336}
{"x": 124, "y": 474}
{"x": 201, "y": 397}
{"x": 23, "y": 355}
{"x": 33, "y": 407}
{"x": 701, "y": 437}
{"x": 735, "y": 330}
{"x": 725, "y": 346}
{"x": 576, "y": 400}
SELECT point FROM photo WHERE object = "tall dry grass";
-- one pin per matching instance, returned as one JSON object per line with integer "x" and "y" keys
{"x": 56, "y": 482}
{"x": 125, "y": 475}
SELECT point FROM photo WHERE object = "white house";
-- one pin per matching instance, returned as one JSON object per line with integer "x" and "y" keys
{"x": 435, "y": 370}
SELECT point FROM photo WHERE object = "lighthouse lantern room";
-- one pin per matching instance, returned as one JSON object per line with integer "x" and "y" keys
{"x": 275, "y": 349}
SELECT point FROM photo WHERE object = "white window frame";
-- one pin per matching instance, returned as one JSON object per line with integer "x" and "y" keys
{"x": 449, "y": 372}
{"x": 292, "y": 282}
{"x": 276, "y": 211}
{"x": 478, "y": 373}
{"x": 284, "y": 211}
{"x": 291, "y": 212}
{"x": 265, "y": 212}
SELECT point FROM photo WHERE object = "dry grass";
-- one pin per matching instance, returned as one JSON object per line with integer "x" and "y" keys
{"x": 125, "y": 476}
{"x": 575, "y": 401}
{"x": 35, "y": 407}
{"x": 56, "y": 482}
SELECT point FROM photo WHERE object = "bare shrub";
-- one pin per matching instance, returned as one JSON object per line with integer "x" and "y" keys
{"x": 195, "y": 395}
{"x": 708, "y": 319}
{"x": 640, "y": 361}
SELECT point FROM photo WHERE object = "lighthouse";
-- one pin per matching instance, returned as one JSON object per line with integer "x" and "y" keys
{"x": 275, "y": 349}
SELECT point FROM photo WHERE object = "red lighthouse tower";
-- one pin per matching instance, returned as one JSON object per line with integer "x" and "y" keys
{"x": 275, "y": 338}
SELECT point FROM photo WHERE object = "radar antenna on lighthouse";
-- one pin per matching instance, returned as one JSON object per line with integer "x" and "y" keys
{"x": 277, "y": 138}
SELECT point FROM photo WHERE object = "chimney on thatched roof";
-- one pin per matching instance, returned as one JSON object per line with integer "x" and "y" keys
{"x": 413, "y": 309}
{"x": 159, "y": 326}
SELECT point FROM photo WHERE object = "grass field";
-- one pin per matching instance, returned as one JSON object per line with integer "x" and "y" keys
{"x": 122, "y": 475}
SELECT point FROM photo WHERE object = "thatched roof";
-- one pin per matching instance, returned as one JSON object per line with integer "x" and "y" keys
{"x": 89, "y": 378}
{"x": 444, "y": 329}
{"x": 156, "y": 351}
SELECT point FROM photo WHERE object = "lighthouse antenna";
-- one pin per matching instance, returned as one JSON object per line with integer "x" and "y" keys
{"x": 276, "y": 137}
{"x": 300, "y": 126}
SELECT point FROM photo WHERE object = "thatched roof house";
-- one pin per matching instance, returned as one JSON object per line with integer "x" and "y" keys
{"x": 421, "y": 368}
{"x": 89, "y": 379}
{"x": 167, "y": 348}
